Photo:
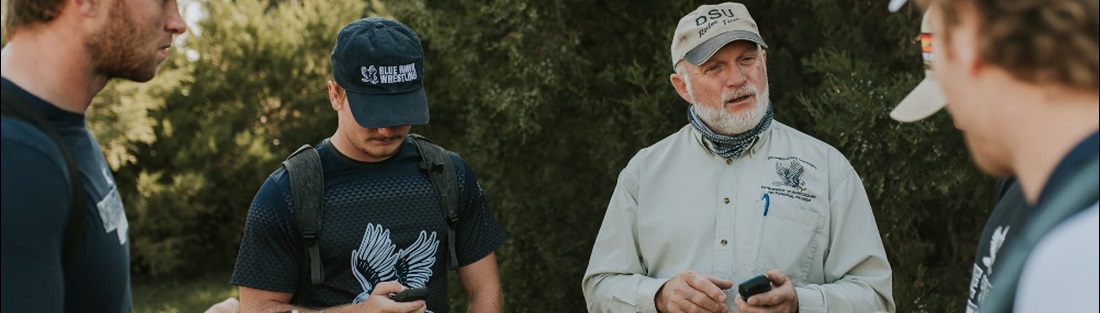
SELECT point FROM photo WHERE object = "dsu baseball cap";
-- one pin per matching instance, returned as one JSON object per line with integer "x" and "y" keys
{"x": 710, "y": 27}
{"x": 380, "y": 63}
{"x": 927, "y": 98}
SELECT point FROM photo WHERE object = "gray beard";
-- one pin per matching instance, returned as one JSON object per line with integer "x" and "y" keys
{"x": 723, "y": 122}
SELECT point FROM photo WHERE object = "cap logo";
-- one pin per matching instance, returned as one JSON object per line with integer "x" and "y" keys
{"x": 711, "y": 19}
{"x": 370, "y": 74}
{"x": 390, "y": 74}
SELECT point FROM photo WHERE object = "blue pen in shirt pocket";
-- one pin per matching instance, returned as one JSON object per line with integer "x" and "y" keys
{"x": 767, "y": 203}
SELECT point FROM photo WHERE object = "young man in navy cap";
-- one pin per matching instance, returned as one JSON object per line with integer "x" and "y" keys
{"x": 382, "y": 229}
{"x": 735, "y": 194}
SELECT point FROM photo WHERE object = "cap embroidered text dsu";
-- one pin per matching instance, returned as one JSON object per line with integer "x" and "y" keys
{"x": 710, "y": 27}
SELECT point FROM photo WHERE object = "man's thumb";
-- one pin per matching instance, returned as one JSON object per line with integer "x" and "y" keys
{"x": 777, "y": 277}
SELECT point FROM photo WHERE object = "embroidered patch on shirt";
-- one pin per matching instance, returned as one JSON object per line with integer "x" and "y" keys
{"x": 789, "y": 171}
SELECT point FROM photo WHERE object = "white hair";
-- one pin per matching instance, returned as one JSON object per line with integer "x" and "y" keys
{"x": 682, "y": 71}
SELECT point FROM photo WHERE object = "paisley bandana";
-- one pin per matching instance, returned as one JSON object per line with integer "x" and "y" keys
{"x": 730, "y": 146}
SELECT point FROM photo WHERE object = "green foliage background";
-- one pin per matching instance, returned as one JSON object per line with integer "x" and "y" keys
{"x": 547, "y": 99}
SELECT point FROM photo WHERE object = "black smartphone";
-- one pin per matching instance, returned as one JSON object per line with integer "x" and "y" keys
{"x": 753, "y": 286}
{"x": 411, "y": 294}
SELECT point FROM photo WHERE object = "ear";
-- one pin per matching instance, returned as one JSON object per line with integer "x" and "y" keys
{"x": 334, "y": 98}
{"x": 681, "y": 86}
{"x": 764, "y": 64}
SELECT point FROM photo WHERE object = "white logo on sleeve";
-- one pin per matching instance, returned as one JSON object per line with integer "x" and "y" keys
{"x": 111, "y": 210}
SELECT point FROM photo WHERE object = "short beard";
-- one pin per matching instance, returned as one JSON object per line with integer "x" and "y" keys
{"x": 112, "y": 50}
{"x": 722, "y": 122}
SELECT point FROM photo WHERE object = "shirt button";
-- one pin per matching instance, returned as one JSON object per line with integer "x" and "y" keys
{"x": 723, "y": 242}
{"x": 729, "y": 161}
{"x": 726, "y": 200}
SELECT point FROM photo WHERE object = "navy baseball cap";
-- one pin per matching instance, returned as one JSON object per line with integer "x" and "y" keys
{"x": 380, "y": 63}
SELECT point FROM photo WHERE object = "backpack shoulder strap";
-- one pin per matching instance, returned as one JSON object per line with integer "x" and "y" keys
{"x": 436, "y": 161}
{"x": 16, "y": 107}
{"x": 307, "y": 187}
{"x": 1077, "y": 193}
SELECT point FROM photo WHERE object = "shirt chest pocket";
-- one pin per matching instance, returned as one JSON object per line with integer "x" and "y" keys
{"x": 788, "y": 237}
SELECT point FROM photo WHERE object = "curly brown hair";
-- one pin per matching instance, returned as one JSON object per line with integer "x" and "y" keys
{"x": 1037, "y": 41}
{"x": 23, "y": 13}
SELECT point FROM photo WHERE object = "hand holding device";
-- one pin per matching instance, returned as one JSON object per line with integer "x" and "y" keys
{"x": 411, "y": 294}
{"x": 753, "y": 286}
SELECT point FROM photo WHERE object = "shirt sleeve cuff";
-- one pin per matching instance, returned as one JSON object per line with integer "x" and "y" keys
{"x": 810, "y": 300}
{"x": 647, "y": 292}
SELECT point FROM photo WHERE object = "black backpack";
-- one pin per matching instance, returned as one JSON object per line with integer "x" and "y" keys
{"x": 16, "y": 107}
{"x": 307, "y": 187}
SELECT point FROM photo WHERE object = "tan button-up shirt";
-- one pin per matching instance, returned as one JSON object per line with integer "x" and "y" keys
{"x": 791, "y": 202}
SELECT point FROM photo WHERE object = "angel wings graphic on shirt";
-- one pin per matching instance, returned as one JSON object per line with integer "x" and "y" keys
{"x": 375, "y": 261}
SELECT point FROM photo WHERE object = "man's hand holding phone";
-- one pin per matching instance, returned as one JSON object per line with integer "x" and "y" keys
{"x": 410, "y": 295}
{"x": 692, "y": 292}
{"x": 753, "y": 286}
{"x": 781, "y": 298}
{"x": 380, "y": 300}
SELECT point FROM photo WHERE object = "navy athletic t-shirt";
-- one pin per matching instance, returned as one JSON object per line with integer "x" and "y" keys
{"x": 381, "y": 222}
{"x": 36, "y": 197}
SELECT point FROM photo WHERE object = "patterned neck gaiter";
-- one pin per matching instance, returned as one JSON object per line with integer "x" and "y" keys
{"x": 730, "y": 146}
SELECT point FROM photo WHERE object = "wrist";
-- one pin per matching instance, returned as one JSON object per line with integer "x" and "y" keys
{"x": 658, "y": 302}
{"x": 795, "y": 309}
